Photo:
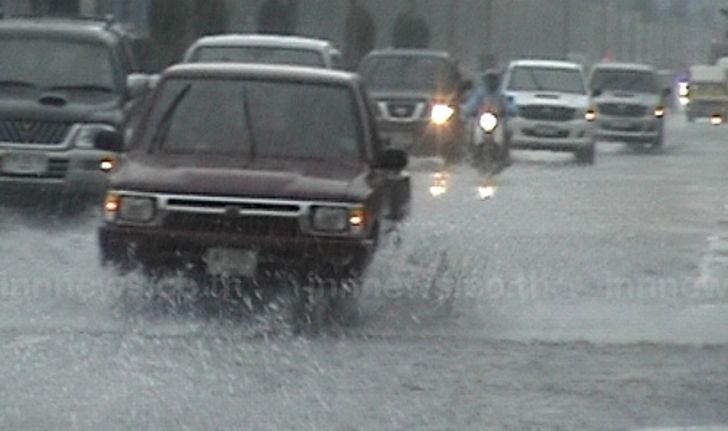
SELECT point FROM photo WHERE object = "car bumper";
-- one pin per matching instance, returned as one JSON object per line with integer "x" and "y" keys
{"x": 155, "y": 249}
{"x": 71, "y": 171}
{"x": 422, "y": 137}
{"x": 550, "y": 135}
{"x": 629, "y": 129}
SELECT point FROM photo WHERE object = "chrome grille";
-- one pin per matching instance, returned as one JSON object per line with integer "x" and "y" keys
{"x": 33, "y": 132}
{"x": 622, "y": 109}
{"x": 547, "y": 113}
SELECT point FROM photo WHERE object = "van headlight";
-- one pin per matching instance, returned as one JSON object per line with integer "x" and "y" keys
{"x": 131, "y": 209}
{"x": 488, "y": 122}
{"x": 86, "y": 136}
{"x": 338, "y": 219}
{"x": 441, "y": 114}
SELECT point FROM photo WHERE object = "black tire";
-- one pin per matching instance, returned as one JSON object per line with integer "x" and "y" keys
{"x": 586, "y": 156}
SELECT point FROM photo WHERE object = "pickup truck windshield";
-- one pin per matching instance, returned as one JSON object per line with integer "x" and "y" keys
{"x": 262, "y": 55}
{"x": 409, "y": 73}
{"x": 54, "y": 64}
{"x": 542, "y": 79}
{"x": 625, "y": 80}
{"x": 251, "y": 119}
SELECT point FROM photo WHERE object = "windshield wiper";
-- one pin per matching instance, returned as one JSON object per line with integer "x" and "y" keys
{"x": 81, "y": 87}
{"x": 251, "y": 131}
{"x": 166, "y": 121}
{"x": 16, "y": 83}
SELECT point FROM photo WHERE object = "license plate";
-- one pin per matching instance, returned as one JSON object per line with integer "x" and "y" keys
{"x": 401, "y": 140}
{"x": 24, "y": 164}
{"x": 546, "y": 131}
{"x": 232, "y": 262}
{"x": 623, "y": 125}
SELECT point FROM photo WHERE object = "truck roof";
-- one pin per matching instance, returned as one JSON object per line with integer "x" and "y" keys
{"x": 546, "y": 64}
{"x": 259, "y": 71}
{"x": 272, "y": 41}
{"x": 707, "y": 73}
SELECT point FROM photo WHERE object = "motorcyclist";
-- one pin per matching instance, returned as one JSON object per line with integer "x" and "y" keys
{"x": 487, "y": 97}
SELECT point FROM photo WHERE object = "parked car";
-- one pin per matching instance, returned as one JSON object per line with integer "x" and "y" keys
{"x": 631, "y": 103}
{"x": 552, "y": 108}
{"x": 265, "y": 49}
{"x": 252, "y": 170}
{"x": 417, "y": 95}
{"x": 63, "y": 81}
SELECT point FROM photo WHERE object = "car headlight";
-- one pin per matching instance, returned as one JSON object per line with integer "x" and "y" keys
{"x": 716, "y": 119}
{"x": 133, "y": 209}
{"x": 659, "y": 111}
{"x": 338, "y": 219}
{"x": 590, "y": 115}
{"x": 488, "y": 122}
{"x": 441, "y": 113}
{"x": 86, "y": 137}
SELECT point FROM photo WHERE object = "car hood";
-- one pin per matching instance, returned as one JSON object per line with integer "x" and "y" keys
{"x": 264, "y": 178}
{"x": 648, "y": 99}
{"x": 414, "y": 94}
{"x": 579, "y": 101}
{"x": 108, "y": 111}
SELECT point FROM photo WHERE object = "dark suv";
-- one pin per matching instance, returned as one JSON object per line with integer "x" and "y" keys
{"x": 417, "y": 95}
{"x": 62, "y": 81}
{"x": 248, "y": 170}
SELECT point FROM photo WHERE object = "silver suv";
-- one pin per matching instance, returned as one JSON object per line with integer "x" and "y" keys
{"x": 551, "y": 108}
{"x": 630, "y": 104}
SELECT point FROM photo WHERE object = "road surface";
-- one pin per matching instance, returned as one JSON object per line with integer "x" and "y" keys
{"x": 576, "y": 298}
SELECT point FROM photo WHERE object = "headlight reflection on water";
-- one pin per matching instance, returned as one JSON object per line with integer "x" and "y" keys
{"x": 439, "y": 185}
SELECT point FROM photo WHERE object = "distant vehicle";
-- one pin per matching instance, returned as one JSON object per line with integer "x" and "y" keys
{"x": 265, "y": 49}
{"x": 707, "y": 94}
{"x": 250, "y": 171}
{"x": 552, "y": 108}
{"x": 62, "y": 82}
{"x": 631, "y": 103}
{"x": 417, "y": 95}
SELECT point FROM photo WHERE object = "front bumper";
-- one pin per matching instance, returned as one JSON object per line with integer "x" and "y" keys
{"x": 165, "y": 249}
{"x": 73, "y": 171}
{"x": 421, "y": 137}
{"x": 621, "y": 129}
{"x": 550, "y": 135}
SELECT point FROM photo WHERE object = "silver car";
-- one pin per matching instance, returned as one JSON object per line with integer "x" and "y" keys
{"x": 630, "y": 104}
{"x": 264, "y": 49}
{"x": 552, "y": 108}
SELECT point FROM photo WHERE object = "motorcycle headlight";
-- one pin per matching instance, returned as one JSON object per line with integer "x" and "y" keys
{"x": 441, "y": 113}
{"x": 134, "y": 209}
{"x": 488, "y": 122}
{"x": 338, "y": 219}
{"x": 86, "y": 137}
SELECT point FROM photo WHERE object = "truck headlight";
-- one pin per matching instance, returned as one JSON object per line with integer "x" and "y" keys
{"x": 132, "y": 209}
{"x": 590, "y": 115}
{"x": 338, "y": 219}
{"x": 441, "y": 114}
{"x": 488, "y": 122}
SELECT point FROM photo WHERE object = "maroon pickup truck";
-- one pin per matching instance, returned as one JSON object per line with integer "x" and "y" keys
{"x": 249, "y": 170}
